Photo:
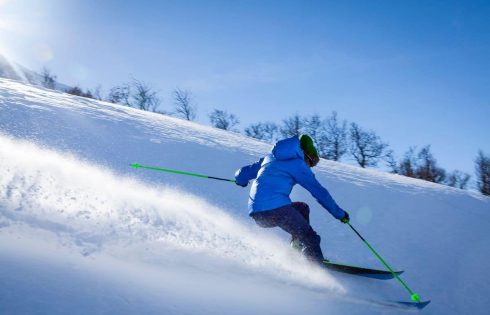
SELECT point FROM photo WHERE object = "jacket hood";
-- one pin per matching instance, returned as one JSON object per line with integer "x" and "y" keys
{"x": 288, "y": 149}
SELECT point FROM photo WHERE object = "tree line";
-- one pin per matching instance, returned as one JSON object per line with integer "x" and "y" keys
{"x": 336, "y": 139}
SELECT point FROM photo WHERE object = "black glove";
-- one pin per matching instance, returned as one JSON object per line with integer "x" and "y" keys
{"x": 346, "y": 218}
{"x": 241, "y": 184}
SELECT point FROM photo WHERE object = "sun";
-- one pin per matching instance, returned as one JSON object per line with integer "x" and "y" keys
{"x": 22, "y": 25}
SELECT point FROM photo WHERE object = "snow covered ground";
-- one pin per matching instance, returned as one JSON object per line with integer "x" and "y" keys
{"x": 81, "y": 232}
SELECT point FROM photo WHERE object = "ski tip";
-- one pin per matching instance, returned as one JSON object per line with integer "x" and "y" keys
{"x": 402, "y": 305}
{"x": 135, "y": 165}
{"x": 418, "y": 305}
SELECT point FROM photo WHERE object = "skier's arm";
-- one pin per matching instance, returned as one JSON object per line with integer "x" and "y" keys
{"x": 305, "y": 177}
{"x": 247, "y": 173}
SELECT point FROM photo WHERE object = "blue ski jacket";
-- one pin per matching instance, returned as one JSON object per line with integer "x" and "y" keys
{"x": 277, "y": 173}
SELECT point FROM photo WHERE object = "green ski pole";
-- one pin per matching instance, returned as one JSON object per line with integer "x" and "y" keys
{"x": 137, "y": 165}
{"x": 414, "y": 296}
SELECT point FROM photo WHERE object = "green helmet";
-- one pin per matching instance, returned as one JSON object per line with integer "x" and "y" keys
{"x": 309, "y": 149}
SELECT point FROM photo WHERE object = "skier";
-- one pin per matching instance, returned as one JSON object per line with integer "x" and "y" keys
{"x": 288, "y": 164}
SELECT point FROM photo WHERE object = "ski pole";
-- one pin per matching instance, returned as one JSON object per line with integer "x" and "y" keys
{"x": 414, "y": 296}
{"x": 137, "y": 165}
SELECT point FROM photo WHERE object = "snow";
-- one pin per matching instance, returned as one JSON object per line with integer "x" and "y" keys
{"x": 82, "y": 232}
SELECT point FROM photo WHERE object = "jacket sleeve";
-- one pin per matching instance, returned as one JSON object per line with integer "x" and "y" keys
{"x": 247, "y": 173}
{"x": 305, "y": 177}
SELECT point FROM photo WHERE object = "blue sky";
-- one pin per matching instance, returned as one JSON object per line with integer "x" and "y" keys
{"x": 416, "y": 72}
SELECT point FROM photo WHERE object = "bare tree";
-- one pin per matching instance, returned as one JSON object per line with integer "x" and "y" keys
{"x": 223, "y": 120}
{"x": 391, "y": 161}
{"x": 184, "y": 106}
{"x": 423, "y": 165}
{"x": 137, "y": 94}
{"x": 88, "y": 94}
{"x": 292, "y": 126}
{"x": 263, "y": 131}
{"x": 48, "y": 80}
{"x": 76, "y": 90}
{"x": 98, "y": 93}
{"x": 427, "y": 168}
{"x": 332, "y": 142}
{"x": 313, "y": 126}
{"x": 482, "y": 166}
{"x": 120, "y": 95}
{"x": 458, "y": 179}
{"x": 270, "y": 131}
{"x": 408, "y": 164}
{"x": 144, "y": 97}
{"x": 366, "y": 147}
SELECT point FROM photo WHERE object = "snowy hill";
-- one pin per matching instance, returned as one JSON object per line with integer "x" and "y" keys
{"x": 81, "y": 232}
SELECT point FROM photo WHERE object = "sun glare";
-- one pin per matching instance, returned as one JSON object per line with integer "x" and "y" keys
{"x": 23, "y": 29}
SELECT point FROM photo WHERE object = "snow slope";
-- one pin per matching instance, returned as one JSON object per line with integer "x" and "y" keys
{"x": 82, "y": 232}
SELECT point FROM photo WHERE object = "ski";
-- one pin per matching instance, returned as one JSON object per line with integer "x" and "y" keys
{"x": 400, "y": 304}
{"x": 374, "y": 302}
{"x": 360, "y": 271}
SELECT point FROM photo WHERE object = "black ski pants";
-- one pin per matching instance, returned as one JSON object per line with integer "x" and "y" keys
{"x": 294, "y": 219}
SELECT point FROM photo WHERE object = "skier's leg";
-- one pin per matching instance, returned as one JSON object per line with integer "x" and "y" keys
{"x": 269, "y": 218}
{"x": 295, "y": 224}
{"x": 304, "y": 209}
{"x": 265, "y": 219}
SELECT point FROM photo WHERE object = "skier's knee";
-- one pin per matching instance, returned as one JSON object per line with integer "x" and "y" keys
{"x": 303, "y": 208}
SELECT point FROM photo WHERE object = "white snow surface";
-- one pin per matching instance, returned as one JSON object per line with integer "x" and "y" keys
{"x": 81, "y": 232}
